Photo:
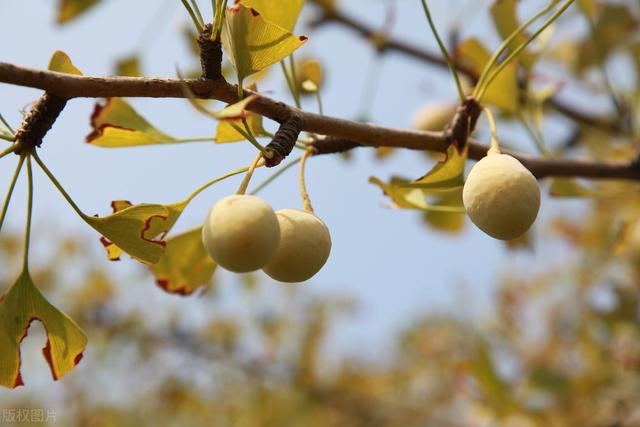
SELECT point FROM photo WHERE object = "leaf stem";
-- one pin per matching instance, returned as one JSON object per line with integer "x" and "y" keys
{"x": 219, "y": 9}
{"x": 8, "y": 151}
{"x": 12, "y": 185}
{"x": 520, "y": 48}
{"x": 306, "y": 200}
{"x": 495, "y": 145}
{"x": 296, "y": 92}
{"x": 505, "y": 45}
{"x": 275, "y": 175}
{"x": 443, "y": 49}
{"x": 196, "y": 9}
{"x": 214, "y": 181}
{"x": 319, "y": 100}
{"x": 27, "y": 233}
{"x": 193, "y": 16}
{"x": 57, "y": 184}
{"x": 290, "y": 83}
{"x": 247, "y": 178}
{"x": 6, "y": 124}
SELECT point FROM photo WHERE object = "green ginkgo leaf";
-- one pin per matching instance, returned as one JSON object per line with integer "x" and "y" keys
{"x": 252, "y": 43}
{"x": 283, "y": 13}
{"x": 20, "y": 306}
{"x": 61, "y": 63}
{"x": 447, "y": 173}
{"x": 185, "y": 265}
{"x": 503, "y": 92}
{"x": 117, "y": 124}
{"x": 130, "y": 228}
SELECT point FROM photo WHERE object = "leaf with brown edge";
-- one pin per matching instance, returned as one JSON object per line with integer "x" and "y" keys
{"x": 283, "y": 13}
{"x": 21, "y": 305}
{"x": 185, "y": 265}
{"x": 117, "y": 124}
{"x": 226, "y": 133}
{"x": 61, "y": 63}
{"x": 129, "y": 229}
{"x": 157, "y": 226}
{"x": 71, "y": 9}
{"x": 252, "y": 43}
{"x": 447, "y": 173}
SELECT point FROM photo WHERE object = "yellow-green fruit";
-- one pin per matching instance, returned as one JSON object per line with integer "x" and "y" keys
{"x": 241, "y": 233}
{"x": 305, "y": 244}
{"x": 433, "y": 117}
{"x": 501, "y": 196}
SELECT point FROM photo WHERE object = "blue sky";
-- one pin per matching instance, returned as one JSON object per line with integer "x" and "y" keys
{"x": 387, "y": 259}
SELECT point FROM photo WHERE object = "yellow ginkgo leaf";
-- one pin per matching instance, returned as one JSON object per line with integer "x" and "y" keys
{"x": 129, "y": 66}
{"x": 185, "y": 265}
{"x": 447, "y": 173}
{"x": 252, "y": 43}
{"x": 71, "y": 9}
{"x": 20, "y": 306}
{"x": 130, "y": 230}
{"x": 569, "y": 187}
{"x": 447, "y": 222}
{"x": 503, "y": 92}
{"x": 505, "y": 18}
{"x": 405, "y": 197}
{"x": 117, "y": 124}
{"x": 283, "y": 13}
{"x": 61, "y": 63}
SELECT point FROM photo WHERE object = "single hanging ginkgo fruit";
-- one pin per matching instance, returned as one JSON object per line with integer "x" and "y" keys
{"x": 241, "y": 233}
{"x": 501, "y": 196}
{"x": 305, "y": 244}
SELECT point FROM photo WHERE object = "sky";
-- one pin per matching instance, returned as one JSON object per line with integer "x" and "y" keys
{"x": 387, "y": 259}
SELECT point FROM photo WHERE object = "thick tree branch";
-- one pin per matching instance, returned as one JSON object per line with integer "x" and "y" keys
{"x": 358, "y": 134}
{"x": 383, "y": 44}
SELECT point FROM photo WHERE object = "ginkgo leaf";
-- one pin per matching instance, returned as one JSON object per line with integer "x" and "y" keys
{"x": 505, "y": 18}
{"x": 61, "y": 63}
{"x": 156, "y": 227}
{"x": 185, "y": 265}
{"x": 448, "y": 222}
{"x": 503, "y": 92}
{"x": 283, "y": 13}
{"x": 447, "y": 173}
{"x": 117, "y": 124}
{"x": 252, "y": 43}
{"x": 226, "y": 133}
{"x": 71, "y": 9}
{"x": 130, "y": 230}
{"x": 129, "y": 66}
{"x": 20, "y": 306}
{"x": 569, "y": 187}
{"x": 405, "y": 197}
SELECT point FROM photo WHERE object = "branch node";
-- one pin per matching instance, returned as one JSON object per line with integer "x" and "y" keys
{"x": 210, "y": 54}
{"x": 38, "y": 121}
{"x": 464, "y": 122}
{"x": 284, "y": 140}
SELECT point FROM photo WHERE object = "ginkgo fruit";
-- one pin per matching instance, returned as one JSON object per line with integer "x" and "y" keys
{"x": 305, "y": 244}
{"x": 501, "y": 196}
{"x": 241, "y": 233}
{"x": 434, "y": 117}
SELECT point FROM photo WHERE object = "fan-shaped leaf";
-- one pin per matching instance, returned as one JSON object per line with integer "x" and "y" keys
{"x": 61, "y": 63}
{"x": 253, "y": 43}
{"x": 283, "y": 13}
{"x": 71, "y": 9}
{"x": 21, "y": 305}
{"x": 185, "y": 264}
{"x": 447, "y": 173}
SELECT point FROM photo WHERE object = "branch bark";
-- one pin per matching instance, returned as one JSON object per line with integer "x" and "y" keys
{"x": 360, "y": 134}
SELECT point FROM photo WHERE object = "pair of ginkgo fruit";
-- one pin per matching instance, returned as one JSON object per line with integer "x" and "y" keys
{"x": 242, "y": 234}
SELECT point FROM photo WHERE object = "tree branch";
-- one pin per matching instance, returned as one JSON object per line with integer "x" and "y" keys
{"x": 605, "y": 124}
{"x": 359, "y": 134}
